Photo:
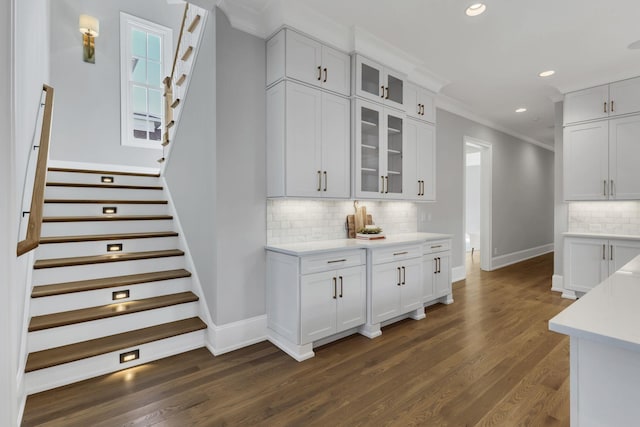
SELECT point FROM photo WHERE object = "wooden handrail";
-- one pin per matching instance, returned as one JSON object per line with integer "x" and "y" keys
{"x": 32, "y": 238}
{"x": 175, "y": 57}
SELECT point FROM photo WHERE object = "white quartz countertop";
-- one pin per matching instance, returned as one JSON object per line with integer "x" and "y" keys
{"x": 609, "y": 313}
{"x": 601, "y": 235}
{"x": 310, "y": 248}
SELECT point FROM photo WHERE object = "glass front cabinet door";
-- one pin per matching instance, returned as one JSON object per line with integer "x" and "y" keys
{"x": 378, "y": 83}
{"x": 379, "y": 151}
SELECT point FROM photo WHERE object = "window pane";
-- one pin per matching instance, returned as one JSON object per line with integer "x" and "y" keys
{"x": 154, "y": 48}
{"x": 153, "y": 77}
{"x": 139, "y": 43}
{"x": 139, "y": 128}
{"x": 139, "y": 101}
{"x": 155, "y": 104}
{"x": 138, "y": 70}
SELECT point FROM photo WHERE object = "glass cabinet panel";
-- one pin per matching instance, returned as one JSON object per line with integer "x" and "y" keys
{"x": 370, "y": 80}
{"x": 394, "y": 154}
{"x": 396, "y": 89}
{"x": 370, "y": 150}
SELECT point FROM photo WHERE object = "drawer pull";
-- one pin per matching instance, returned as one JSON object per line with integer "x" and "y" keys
{"x": 399, "y": 277}
{"x": 341, "y": 287}
{"x": 436, "y": 246}
{"x": 335, "y": 288}
{"x": 404, "y": 275}
{"x": 336, "y": 260}
{"x": 400, "y": 253}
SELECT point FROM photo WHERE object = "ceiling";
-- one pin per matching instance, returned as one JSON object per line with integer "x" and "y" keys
{"x": 490, "y": 63}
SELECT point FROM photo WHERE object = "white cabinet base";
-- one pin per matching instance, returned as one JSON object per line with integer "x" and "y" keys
{"x": 370, "y": 330}
{"x": 298, "y": 352}
{"x": 568, "y": 294}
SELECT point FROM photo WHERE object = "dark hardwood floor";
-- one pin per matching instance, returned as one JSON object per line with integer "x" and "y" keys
{"x": 488, "y": 360}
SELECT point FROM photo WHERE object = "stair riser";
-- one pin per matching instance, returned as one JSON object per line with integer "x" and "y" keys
{"x": 56, "y": 376}
{"x": 63, "y": 335}
{"x": 95, "y": 209}
{"x": 95, "y": 178}
{"x": 47, "y": 276}
{"x": 78, "y": 300}
{"x": 66, "y": 250}
{"x": 50, "y": 229}
{"x": 102, "y": 193}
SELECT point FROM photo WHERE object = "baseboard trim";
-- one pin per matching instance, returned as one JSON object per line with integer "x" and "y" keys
{"x": 519, "y": 256}
{"x": 458, "y": 273}
{"x": 100, "y": 166}
{"x": 232, "y": 336}
{"x": 557, "y": 283}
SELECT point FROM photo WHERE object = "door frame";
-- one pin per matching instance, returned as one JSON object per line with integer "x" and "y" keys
{"x": 486, "y": 197}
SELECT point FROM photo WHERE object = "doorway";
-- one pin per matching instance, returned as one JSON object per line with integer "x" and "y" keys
{"x": 477, "y": 202}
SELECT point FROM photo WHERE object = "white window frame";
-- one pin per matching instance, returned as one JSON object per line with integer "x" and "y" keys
{"x": 127, "y": 23}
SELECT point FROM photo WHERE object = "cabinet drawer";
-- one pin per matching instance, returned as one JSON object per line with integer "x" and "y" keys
{"x": 331, "y": 261}
{"x": 397, "y": 253}
{"x": 439, "y": 246}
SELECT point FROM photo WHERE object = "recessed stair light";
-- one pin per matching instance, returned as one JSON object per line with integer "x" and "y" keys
{"x": 129, "y": 356}
{"x": 634, "y": 45}
{"x": 476, "y": 9}
{"x": 521, "y": 110}
{"x": 547, "y": 73}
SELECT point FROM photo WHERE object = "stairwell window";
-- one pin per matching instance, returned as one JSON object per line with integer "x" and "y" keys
{"x": 145, "y": 60}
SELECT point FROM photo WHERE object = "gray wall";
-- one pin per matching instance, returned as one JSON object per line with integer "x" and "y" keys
{"x": 240, "y": 173}
{"x": 190, "y": 172}
{"x": 87, "y": 127}
{"x": 522, "y": 183}
{"x": 560, "y": 212}
{"x": 472, "y": 194}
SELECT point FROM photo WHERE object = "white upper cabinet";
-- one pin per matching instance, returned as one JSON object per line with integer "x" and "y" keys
{"x": 604, "y": 101}
{"x": 420, "y": 161}
{"x": 624, "y": 153}
{"x": 377, "y": 83}
{"x": 419, "y": 103}
{"x": 294, "y": 56}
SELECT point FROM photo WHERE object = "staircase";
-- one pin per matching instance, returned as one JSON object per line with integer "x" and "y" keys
{"x": 110, "y": 288}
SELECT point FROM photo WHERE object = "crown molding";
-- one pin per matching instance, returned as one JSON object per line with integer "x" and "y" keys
{"x": 451, "y": 105}
{"x": 241, "y": 16}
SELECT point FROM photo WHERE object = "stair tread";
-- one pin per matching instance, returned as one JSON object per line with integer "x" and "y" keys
{"x": 103, "y": 172}
{"x": 99, "y": 259}
{"x": 106, "y": 282}
{"x": 120, "y": 186}
{"x": 106, "y": 218}
{"x": 82, "y": 350}
{"x": 108, "y": 202}
{"x": 113, "y": 236}
{"x": 71, "y": 317}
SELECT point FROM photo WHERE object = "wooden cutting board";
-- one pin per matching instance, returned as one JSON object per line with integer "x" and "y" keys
{"x": 351, "y": 225}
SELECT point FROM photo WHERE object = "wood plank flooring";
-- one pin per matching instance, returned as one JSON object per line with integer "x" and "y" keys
{"x": 486, "y": 360}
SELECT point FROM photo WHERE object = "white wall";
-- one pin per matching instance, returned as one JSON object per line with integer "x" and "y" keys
{"x": 87, "y": 121}
{"x": 522, "y": 183}
{"x": 472, "y": 194}
{"x": 240, "y": 173}
{"x": 560, "y": 210}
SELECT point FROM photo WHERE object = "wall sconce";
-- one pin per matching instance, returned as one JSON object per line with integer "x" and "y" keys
{"x": 90, "y": 28}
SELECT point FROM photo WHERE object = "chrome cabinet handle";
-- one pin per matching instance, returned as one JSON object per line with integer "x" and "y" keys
{"x": 382, "y": 89}
{"x": 319, "y": 73}
{"x": 326, "y": 74}
{"x": 404, "y": 275}
{"x": 605, "y": 106}
{"x": 435, "y": 263}
{"x": 319, "y": 180}
{"x": 603, "y": 249}
{"x": 399, "y": 279}
{"x": 382, "y": 184}
{"x": 611, "y": 252}
{"x": 401, "y": 253}
{"x": 341, "y": 287}
{"x": 325, "y": 180}
{"x": 419, "y": 188}
{"x": 336, "y": 260}
{"x": 419, "y": 106}
{"x": 335, "y": 288}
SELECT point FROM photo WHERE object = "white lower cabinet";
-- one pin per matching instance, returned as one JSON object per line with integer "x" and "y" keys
{"x": 436, "y": 276}
{"x": 588, "y": 261}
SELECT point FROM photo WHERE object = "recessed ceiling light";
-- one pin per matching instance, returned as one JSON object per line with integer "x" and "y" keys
{"x": 634, "y": 45}
{"x": 547, "y": 73}
{"x": 521, "y": 110}
{"x": 476, "y": 9}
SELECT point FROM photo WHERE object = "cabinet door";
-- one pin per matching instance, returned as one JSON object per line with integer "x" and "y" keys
{"x": 586, "y": 168}
{"x": 336, "y": 71}
{"x": 624, "y": 152}
{"x": 429, "y": 265}
{"x": 426, "y": 161}
{"x": 443, "y": 276}
{"x": 586, "y": 263}
{"x": 318, "y": 296}
{"x": 352, "y": 285}
{"x": 624, "y": 97}
{"x": 369, "y": 172}
{"x": 385, "y": 291}
{"x": 412, "y": 182}
{"x": 303, "y": 57}
{"x": 588, "y": 104}
{"x": 368, "y": 81}
{"x": 621, "y": 252}
{"x": 412, "y": 101}
{"x": 428, "y": 106}
{"x": 412, "y": 287}
{"x": 394, "y": 154}
{"x": 336, "y": 146}
{"x": 394, "y": 89}
{"x": 303, "y": 140}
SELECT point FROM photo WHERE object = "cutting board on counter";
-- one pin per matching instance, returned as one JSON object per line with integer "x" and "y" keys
{"x": 351, "y": 224}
